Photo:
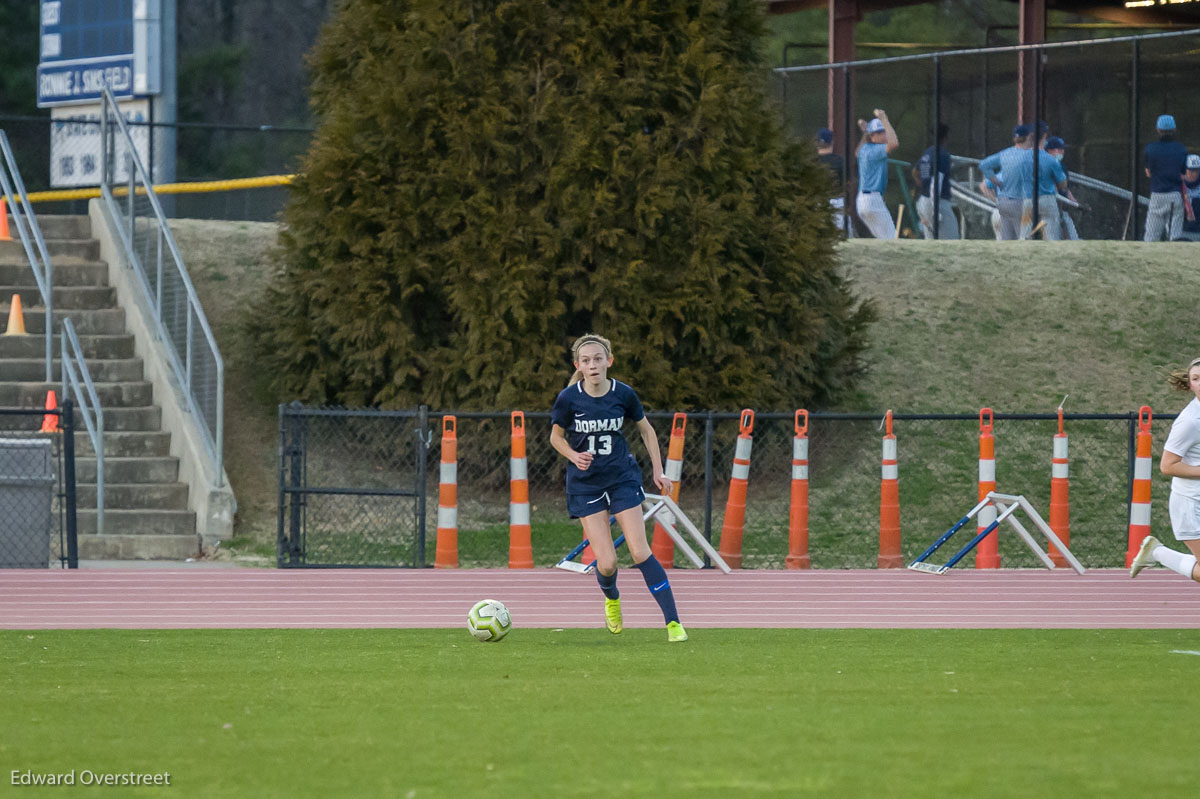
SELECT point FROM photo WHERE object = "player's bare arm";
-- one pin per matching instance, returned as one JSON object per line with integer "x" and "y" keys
{"x": 558, "y": 440}
{"x": 651, "y": 441}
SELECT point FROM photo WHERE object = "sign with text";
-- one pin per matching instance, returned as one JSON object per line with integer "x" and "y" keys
{"x": 88, "y": 44}
{"x": 75, "y": 143}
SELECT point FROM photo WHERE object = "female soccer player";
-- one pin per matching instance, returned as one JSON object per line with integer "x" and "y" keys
{"x": 604, "y": 478}
{"x": 1180, "y": 460}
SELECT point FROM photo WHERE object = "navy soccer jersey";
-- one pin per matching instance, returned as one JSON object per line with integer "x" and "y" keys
{"x": 595, "y": 424}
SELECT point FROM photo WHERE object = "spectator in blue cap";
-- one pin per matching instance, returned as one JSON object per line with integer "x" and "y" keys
{"x": 1011, "y": 173}
{"x": 837, "y": 167}
{"x": 1056, "y": 148}
{"x": 878, "y": 140}
{"x": 1165, "y": 165}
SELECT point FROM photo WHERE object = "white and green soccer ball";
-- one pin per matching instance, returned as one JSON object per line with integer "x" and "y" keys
{"x": 489, "y": 620}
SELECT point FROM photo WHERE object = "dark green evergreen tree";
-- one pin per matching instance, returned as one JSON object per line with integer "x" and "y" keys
{"x": 492, "y": 178}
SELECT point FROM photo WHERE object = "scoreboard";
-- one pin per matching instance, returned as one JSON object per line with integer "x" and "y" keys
{"x": 87, "y": 44}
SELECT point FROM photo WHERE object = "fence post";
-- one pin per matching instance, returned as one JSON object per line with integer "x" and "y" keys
{"x": 67, "y": 411}
{"x": 734, "y": 522}
{"x": 987, "y": 554}
{"x": 446, "y": 555}
{"x": 708, "y": 481}
{"x": 422, "y": 486}
{"x": 847, "y": 206}
{"x": 1037, "y": 138}
{"x": 1139, "y": 505}
{"x": 889, "y": 503}
{"x": 797, "y": 557}
{"x": 295, "y": 452}
{"x": 520, "y": 547}
{"x": 1060, "y": 504}
{"x": 937, "y": 152}
{"x": 1134, "y": 112}
{"x": 662, "y": 546}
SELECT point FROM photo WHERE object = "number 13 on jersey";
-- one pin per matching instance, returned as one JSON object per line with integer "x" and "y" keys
{"x": 605, "y": 442}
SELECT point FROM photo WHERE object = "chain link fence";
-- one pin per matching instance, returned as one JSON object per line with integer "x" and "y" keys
{"x": 64, "y": 153}
{"x": 37, "y": 488}
{"x": 361, "y": 487}
{"x": 1101, "y": 97}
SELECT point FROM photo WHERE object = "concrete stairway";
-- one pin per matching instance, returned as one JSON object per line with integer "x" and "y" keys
{"x": 146, "y": 507}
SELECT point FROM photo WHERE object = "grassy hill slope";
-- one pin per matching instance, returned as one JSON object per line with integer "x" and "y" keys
{"x": 1014, "y": 326}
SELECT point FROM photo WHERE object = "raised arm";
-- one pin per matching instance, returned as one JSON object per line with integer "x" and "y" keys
{"x": 888, "y": 131}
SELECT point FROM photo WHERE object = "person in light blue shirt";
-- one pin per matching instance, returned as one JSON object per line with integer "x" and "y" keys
{"x": 1016, "y": 184}
{"x": 1050, "y": 180}
{"x": 878, "y": 139}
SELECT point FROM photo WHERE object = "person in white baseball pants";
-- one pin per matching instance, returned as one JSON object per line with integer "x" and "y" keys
{"x": 878, "y": 139}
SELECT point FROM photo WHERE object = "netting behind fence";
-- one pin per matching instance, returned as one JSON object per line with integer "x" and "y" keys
{"x": 1102, "y": 98}
{"x": 339, "y": 464}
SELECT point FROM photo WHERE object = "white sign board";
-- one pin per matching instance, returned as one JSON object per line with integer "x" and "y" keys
{"x": 75, "y": 144}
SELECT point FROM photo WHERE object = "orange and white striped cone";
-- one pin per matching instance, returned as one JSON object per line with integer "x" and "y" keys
{"x": 1060, "y": 491}
{"x": 1139, "y": 507}
{"x": 662, "y": 546}
{"x": 987, "y": 554}
{"x": 4, "y": 234}
{"x": 797, "y": 556}
{"x": 447, "y": 519}
{"x": 889, "y": 503}
{"x": 520, "y": 547}
{"x": 730, "y": 547}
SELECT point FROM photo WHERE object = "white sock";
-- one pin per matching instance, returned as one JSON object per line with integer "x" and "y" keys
{"x": 1179, "y": 562}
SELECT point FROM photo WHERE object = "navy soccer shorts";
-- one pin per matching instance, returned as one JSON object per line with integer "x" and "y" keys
{"x": 616, "y": 499}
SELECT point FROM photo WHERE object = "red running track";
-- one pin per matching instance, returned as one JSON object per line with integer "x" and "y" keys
{"x": 359, "y": 598}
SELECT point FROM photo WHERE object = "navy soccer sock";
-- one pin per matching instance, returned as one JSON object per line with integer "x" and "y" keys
{"x": 660, "y": 587}
{"x": 608, "y": 584}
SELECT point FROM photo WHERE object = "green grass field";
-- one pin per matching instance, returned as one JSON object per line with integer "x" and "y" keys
{"x": 579, "y": 713}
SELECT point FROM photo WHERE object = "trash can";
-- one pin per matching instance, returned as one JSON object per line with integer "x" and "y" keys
{"x": 26, "y": 502}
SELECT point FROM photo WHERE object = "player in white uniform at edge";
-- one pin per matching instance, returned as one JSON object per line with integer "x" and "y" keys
{"x": 1180, "y": 460}
{"x": 603, "y": 477}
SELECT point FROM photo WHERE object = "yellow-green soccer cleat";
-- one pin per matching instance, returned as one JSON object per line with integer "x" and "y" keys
{"x": 675, "y": 632}
{"x": 612, "y": 615}
{"x": 1144, "y": 556}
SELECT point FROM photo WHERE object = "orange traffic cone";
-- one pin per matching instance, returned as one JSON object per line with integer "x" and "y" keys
{"x": 4, "y": 234}
{"x": 16, "y": 319}
{"x": 50, "y": 420}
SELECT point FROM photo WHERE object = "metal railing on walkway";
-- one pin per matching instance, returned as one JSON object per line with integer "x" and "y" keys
{"x": 30, "y": 234}
{"x": 151, "y": 251}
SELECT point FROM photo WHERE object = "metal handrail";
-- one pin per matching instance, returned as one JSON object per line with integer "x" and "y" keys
{"x": 77, "y": 383}
{"x": 183, "y": 369}
{"x": 42, "y": 270}
{"x": 1076, "y": 177}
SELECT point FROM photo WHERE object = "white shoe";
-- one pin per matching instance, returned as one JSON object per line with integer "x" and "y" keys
{"x": 1144, "y": 556}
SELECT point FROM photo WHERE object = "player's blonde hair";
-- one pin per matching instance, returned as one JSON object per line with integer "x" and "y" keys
{"x": 587, "y": 338}
{"x": 1178, "y": 379}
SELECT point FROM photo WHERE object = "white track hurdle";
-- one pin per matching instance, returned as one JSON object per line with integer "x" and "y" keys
{"x": 1007, "y": 505}
{"x": 664, "y": 511}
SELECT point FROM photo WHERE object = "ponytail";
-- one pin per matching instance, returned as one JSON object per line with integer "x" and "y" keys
{"x": 575, "y": 378}
{"x": 1178, "y": 379}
